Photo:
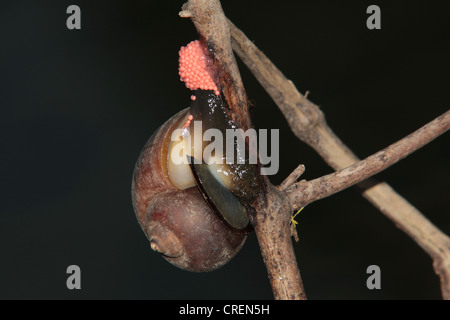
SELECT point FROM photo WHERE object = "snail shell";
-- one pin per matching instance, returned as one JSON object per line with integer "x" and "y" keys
{"x": 172, "y": 211}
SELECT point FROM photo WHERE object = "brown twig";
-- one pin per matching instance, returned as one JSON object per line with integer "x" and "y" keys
{"x": 308, "y": 123}
{"x": 292, "y": 178}
{"x": 306, "y": 192}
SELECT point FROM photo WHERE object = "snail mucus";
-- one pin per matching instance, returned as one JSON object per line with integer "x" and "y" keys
{"x": 191, "y": 201}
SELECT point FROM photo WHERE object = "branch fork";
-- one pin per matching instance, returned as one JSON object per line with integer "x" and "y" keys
{"x": 274, "y": 212}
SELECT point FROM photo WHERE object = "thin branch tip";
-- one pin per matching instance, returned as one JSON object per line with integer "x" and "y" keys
{"x": 185, "y": 14}
{"x": 292, "y": 178}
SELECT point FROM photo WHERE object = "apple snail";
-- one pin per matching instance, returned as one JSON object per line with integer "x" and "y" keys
{"x": 191, "y": 201}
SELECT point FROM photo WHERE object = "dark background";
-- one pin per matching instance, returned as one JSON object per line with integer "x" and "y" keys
{"x": 78, "y": 105}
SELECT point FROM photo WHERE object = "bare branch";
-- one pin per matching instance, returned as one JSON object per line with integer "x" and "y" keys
{"x": 308, "y": 124}
{"x": 309, "y": 191}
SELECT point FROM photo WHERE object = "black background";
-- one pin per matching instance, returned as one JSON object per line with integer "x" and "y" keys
{"x": 78, "y": 105}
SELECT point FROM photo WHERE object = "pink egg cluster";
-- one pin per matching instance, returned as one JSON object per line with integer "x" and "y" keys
{"x": 195, "y": 69}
